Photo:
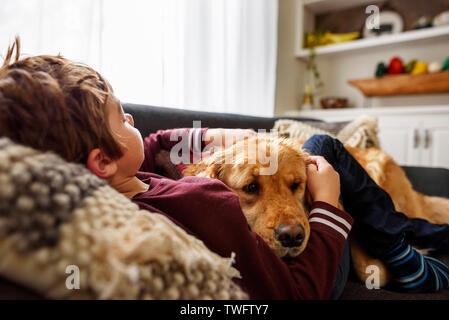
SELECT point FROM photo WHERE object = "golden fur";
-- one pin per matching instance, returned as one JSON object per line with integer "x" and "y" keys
{"x": 277, "y": 202}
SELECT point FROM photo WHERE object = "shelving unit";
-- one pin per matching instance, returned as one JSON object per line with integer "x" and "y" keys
{"x": 403, "y": 84}
{"x": 412, "y": 109}
{"x": 357, "y": 59}
{"x": 360, "y": 44}
{"x": 324, "y": 6}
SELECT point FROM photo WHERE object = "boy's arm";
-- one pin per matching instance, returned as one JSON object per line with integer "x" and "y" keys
{"x": 191, "y": 139}
{"x": 309, "y": 276}
{"x": 166, "y": 140}
{"x": 211, "y": 212}
{"x": 315, "y": 269}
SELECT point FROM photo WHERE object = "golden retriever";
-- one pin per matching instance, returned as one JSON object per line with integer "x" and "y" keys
{"x": 277, "y": 206}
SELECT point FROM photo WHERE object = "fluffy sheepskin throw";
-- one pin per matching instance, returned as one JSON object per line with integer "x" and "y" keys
{"x": 57, "y": 216}
{"x": 360, "y": 133}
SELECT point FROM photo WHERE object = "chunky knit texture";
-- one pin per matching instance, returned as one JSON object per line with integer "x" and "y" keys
{"x": 360, "y": 133}
{"x": 54, "y": 214}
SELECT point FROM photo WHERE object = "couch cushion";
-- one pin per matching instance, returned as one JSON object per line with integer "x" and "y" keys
{"x": 356, "y": 290}
{"x": 429, "y": 181}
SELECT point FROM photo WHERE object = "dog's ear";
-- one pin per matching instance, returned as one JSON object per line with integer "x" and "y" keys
{"x": 202, "y": 169}
{"x": 306, "y": 157}
{"x": 210, "y": 167}
{"x": 308, "y": 201}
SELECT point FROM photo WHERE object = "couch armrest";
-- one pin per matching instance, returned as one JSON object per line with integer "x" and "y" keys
{"x": 429, "y": 181}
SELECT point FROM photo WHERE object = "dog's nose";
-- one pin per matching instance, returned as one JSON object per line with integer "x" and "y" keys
{"x": 290, "y": 235}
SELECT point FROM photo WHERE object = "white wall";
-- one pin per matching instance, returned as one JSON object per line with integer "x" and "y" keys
{"x": 290, "y": 71}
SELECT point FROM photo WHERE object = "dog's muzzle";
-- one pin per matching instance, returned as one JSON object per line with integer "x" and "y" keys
{"x": 290, "y": 236}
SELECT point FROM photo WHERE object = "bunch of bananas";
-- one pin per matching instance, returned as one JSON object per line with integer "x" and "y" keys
{"x": 321, "y": 38}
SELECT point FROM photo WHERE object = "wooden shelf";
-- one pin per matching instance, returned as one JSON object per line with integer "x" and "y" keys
{"x": 351, "y": 113}
{"x": 407, "y": 36}
{"x": 403, "y": 84}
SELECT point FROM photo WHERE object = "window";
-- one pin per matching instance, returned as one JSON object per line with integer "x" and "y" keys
{"x": 195, "y": 54}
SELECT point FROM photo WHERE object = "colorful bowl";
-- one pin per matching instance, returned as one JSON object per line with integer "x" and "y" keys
{"x": 334, "y": 103}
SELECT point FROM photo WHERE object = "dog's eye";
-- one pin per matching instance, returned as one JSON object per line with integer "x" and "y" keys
{"x": 251, "y": 188}
{"x": 294, "y": 186}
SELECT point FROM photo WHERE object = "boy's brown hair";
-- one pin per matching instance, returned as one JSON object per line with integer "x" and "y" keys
{"x": 53, "y": 104}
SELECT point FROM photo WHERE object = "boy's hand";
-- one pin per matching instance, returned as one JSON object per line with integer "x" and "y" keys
{"x": 226, "y": 137}
{"x": 323, "y": 181}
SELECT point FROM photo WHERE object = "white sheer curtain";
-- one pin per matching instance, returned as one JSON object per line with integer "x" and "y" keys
{"x": 214, "y": 55}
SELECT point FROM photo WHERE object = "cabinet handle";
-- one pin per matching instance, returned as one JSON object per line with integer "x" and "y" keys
{"x": 416, "y": 139}
{"x": 427, "y": 139}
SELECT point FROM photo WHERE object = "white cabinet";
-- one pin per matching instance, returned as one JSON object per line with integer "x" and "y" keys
{"x": 398, "y": 142}
{"x": 416, "y": 140}
{"x": 413, "y": 136}
{"x": 434, "y": 142}
{"x": 400, "y": 137}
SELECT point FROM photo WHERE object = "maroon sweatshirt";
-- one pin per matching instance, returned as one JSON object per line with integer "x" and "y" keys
{"x": 209, "y": 210}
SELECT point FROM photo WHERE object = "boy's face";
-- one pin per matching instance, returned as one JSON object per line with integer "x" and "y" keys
{"x": 122, "y": 126}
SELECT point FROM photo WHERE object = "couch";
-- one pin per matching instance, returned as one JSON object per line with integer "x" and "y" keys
{"x": 148, "y": 119}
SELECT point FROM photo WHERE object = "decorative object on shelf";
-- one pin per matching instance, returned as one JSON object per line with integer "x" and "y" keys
{"x": 446, "y": 64}
{"x": 314, "y": 84}
{"x": 395, "y": 66}
{"x": 313, "y": 39}
{"x": 435, "y": 67}
{"x": 313, "y": 68}
{"x": 409, "y": 38}
{"x": 413, "y": 67}
{"x": 419, "y": 68}
{"x": 334, "y": 102}
{"x": 322, "y": 38}
{"x": 441, "y": 19}
{"x": 403, "y": 84}
{"x": 409, "y": 66}
{"x": 307, "y": 102}
{"x": 390, "y": 22}
{"x": 381, "y": 69}
{"x": 422, "y": 23}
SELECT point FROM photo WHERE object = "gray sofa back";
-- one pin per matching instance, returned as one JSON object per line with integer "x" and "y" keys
{"x": 149, "y": 119}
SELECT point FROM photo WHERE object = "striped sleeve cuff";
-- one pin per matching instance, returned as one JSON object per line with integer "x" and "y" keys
{"x": 330, "y": 218}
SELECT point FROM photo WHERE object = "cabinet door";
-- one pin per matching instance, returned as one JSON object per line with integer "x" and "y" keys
{"x": 435, "y": 149}
{"x": 400, "y": 138}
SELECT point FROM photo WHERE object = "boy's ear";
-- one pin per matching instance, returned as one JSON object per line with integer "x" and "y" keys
{"x": 100, "y": 164}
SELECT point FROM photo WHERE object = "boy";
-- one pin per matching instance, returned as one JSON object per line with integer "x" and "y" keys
{"x": 52, "y": 104}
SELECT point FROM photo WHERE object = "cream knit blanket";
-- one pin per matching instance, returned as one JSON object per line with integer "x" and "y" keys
{"x": 56, "y": 218}
{"x": 360, "y": 133}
